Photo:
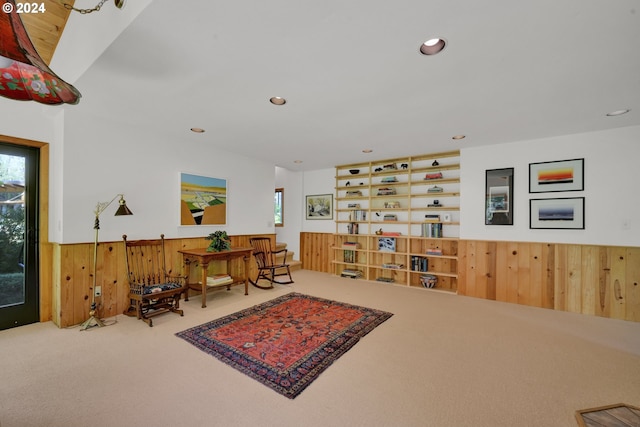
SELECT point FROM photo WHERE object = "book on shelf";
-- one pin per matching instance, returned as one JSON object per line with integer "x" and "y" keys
{"x": 385, "y": 191}
{"x": 392, "y": 265}
{"x": 419, "y": 263}
{"x": 391, "y": 233}
{"x": 358, "y": 215}
{"x": 352, "y": 273}
{"x": 219, "y": 279}
{"x": 349, "y": 256}
{"x": 434, "y": 251}
{"x": 431, "y": 229}
{"x": 352, "y": 228}
{"x": 350, "y": 245}
{"x": 390, "y": 217}
{"x": 385, "y": 279}
{"x": 432, "y": 218}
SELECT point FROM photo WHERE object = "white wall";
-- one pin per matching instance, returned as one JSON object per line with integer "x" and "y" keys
{"x": 322, "y": 181}
{"x": 101, "y": 160}
{"x": 291, "y": 182}
{"x": 612, "y": 204}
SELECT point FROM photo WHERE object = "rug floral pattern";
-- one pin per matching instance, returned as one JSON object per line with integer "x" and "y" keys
{"x": 287, "y": 342}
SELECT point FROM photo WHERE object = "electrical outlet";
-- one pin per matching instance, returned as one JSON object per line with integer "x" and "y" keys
{"x": 98, "y": 291}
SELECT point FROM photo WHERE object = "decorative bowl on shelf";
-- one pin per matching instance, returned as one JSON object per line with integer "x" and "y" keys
{"x": 354, "y": 171}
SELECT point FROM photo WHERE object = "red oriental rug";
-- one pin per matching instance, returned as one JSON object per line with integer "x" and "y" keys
{"x": 287, "y": 342}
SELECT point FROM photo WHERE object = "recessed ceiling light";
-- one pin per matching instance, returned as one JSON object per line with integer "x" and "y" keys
{"x": 197, "y": 130}
{"x": 433, "y": 46}
{"x": 367, "y": 150}
{"x": 457, "y": 137}
{"x": 618, "y": 113}
{"x": 276, "y": 100}
{"x": 297, "y": 161}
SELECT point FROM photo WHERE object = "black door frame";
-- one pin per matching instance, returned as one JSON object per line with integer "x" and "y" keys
{"x": 29, "y": 311}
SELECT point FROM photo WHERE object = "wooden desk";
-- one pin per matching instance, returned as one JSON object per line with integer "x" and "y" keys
{"x": 203, "y": 257}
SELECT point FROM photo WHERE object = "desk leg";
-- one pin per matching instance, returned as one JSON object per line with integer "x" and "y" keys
{"x": 187, "y": 268}
{"x": 247, "y": 266}
{"x": 205, "y": 269}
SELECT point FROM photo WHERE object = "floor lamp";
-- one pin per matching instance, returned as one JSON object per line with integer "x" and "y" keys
{"x": 100, "y": 207}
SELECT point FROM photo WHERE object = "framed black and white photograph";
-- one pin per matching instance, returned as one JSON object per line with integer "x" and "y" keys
{"x": 499, "y": 197}
{"x": 320, "y": 206}
{"x": 387, "y": 244}
{"x": 562, "y": 175}
{"x": 560, "y": 213}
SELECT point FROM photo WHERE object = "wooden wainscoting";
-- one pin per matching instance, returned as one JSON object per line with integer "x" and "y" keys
{"x": 315, "y": 251}
{"x": 588, "y": 279}
{"x": 72, "y": 280}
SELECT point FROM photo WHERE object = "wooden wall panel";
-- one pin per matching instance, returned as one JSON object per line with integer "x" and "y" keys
{"x": 632, "y": 285}
{"x": 72, "y": 275}
{"x": 587, "y": 279}
{"x": 315, "y": 251}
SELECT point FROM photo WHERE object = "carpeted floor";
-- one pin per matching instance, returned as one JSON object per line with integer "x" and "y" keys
{"x": 287, "y": 342}
{"x": 440, "y": 360}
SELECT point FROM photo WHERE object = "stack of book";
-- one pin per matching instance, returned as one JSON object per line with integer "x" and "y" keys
{"x": 434, "y": 251}
{"x": 351, "y": 273}
{"x": 350, "y": 245}
{"x": 219, "y": 280}
{"x": 392, "y": 265}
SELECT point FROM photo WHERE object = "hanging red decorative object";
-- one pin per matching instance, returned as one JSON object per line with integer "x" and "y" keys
{"x": 23, "y": 74}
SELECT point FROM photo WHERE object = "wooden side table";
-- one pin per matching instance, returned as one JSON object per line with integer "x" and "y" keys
{"x": 201, "y": 256}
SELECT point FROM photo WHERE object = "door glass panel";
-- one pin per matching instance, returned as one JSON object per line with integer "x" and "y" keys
{"x": 12, "y": 230}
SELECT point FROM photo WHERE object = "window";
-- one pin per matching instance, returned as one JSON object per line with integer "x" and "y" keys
{"x": 278, "y": 207}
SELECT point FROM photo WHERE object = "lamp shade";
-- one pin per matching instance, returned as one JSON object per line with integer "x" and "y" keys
{"x": 123, "y": 209}
{"x": 23, "y": 74}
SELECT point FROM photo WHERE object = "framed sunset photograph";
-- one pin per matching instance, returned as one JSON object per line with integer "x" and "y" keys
{"x": 562, "y": 175}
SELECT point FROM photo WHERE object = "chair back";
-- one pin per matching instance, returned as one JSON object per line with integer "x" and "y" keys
{"x": 262, "y": 251}
{"x": 145, "y": 261}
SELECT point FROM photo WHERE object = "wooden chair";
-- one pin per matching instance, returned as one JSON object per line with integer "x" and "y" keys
{"x": 268, "y": 266}
{"x": 152, "y": 290}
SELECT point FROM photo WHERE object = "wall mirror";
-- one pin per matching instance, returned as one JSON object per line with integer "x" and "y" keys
{"x": 499, "y": 197}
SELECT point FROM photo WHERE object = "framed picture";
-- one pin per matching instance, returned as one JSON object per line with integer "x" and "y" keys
{"x": 203, "y": 200}
{"x": 563, "y": 175}
{"x": 320, "y": 206}
{"x": 499, "y": 197}
{"x": 561, "y": 213}
{"x": 387, "y": 244}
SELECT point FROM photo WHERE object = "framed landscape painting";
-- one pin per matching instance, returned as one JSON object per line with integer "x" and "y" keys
{"x": 320, "y": 206}
{"x": 563, "y": 175}
{"x": 203, "y": 200}
{"x": 561, "y": 213}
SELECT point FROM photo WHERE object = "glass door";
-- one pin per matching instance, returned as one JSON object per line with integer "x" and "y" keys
{"x": 19, "y": 286}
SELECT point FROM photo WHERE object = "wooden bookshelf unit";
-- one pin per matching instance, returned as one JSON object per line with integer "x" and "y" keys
{"x": 397, "y": 217}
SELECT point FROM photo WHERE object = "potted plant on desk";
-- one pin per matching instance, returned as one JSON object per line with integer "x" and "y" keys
{"x": 219, "y": 241}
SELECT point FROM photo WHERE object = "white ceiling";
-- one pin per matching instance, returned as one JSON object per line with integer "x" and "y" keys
{"x": 354, "y": 79}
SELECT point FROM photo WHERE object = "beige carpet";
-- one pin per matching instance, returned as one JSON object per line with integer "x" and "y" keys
{"x": 441, "y": 360}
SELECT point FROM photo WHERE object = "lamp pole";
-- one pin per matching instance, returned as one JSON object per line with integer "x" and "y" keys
{"x": 93, "y": 320}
